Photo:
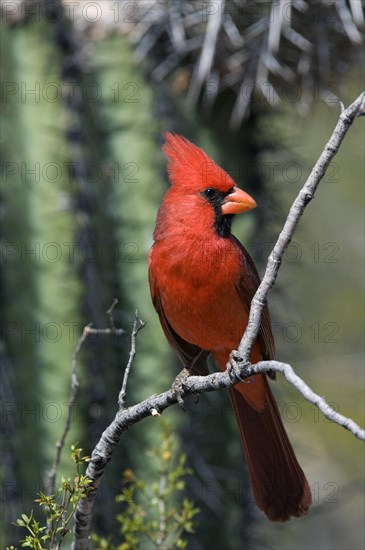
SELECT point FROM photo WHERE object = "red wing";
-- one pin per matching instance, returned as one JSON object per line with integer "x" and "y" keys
{"x": 247, "y": 287}
{"x": 190, "y": 355}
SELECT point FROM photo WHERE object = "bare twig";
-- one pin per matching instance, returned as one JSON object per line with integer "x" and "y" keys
{"x": 309, "y": 395}
{"x": 73, "y": 393}
{"x": 51, "y": 486}
{"x": 110, "y": 313}
{"x": 305, "y": 195}
{"x": 137, "y": 326}
{"x": 155, "y": 405}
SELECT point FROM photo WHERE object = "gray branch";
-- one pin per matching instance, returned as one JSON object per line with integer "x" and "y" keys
{"x": 51, "y": 486}
{"x": 304, "y": 196}
{"x": 137, "y": 326}
{"x": 155, "y": 405}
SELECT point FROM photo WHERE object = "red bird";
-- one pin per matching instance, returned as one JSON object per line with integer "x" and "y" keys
{"x": 202, "y": 281}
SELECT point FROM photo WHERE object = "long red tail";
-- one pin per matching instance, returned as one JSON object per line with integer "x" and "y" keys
{"x": 278, "y": 482}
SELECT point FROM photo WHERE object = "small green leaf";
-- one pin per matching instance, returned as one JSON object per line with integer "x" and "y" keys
{"x": 20, "y": 523}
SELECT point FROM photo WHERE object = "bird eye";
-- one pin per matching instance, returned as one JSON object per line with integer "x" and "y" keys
{"x": 210, "y": 193}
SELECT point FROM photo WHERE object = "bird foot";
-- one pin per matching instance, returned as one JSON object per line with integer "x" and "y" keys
{"x": 178, "y": 386}
{"x": 234, "y": 367}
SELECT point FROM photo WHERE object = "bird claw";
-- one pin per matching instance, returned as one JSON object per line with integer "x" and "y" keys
{"x": 178, "y": 386}
{"x": 234, "y": 370}
{"x": 232, "y": 367}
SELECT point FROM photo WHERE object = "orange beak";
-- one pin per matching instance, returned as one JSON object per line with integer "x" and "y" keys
{"x": 237, "y": 202}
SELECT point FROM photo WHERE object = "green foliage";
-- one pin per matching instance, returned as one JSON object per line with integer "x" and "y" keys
{"x": 153, "y": 515}
{"x": 59, "y": 510}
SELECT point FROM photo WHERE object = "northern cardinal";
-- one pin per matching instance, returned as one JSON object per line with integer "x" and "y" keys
{"x": 202, "y": 281}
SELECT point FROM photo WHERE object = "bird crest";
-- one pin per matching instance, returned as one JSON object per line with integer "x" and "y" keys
{"x": 190, "y": 168}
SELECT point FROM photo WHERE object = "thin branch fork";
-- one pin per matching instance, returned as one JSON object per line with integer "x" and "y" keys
{"x": 88, "y": 330}
{"x": 137, "y": 326}
{"x": 155, "y": 405}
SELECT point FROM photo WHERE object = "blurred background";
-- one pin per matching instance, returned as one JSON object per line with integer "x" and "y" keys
{"x": 88, "y": 89}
